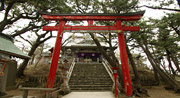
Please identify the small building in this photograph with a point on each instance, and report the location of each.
(8, 67)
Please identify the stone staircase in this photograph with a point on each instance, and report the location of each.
(90, 76)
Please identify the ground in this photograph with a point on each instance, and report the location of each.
(154, 92)
(160, 92)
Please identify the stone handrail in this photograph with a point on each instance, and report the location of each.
(70, 70)
(108, 69)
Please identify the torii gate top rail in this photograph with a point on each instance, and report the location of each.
(117, 28)
(97, 17)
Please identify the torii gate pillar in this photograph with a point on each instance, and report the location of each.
(124, 60)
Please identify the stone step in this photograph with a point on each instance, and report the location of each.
(92, 83)
(89, 73)
(89, 70)
(90, 87)
(90, 77)
(90, 66)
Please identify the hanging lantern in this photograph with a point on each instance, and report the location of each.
(82, 54)
(108, 36)
(83, 36)
(93, 54)
(73, 36)
(68, 51)
(108, 51)
(95, 37)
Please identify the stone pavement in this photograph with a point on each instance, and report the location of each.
(100, 94)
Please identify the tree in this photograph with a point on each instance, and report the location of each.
(27, 10)
(162, 5)
(168, 37)
(145, 38)
(40, 39)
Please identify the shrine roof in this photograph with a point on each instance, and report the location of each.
(85, 43)
(7, 47)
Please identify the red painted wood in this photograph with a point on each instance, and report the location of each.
(50, 57)
(96, 18)
(124, 61)
(115, 80)
(90, 22)
(55, 57)
(131, 28)
(115, 73)
(71, 28)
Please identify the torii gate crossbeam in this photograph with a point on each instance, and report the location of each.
(117, 28)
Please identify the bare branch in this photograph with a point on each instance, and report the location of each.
(160, 8)
(28, 28)
(2, 5)
(46, 38)
(25, 15)
(25, 40)
(87, 5)
(10, 4)
(103, 37)
(66, 40)
(79, 8)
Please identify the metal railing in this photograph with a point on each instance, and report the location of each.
(70, 70)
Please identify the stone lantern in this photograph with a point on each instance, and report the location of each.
(69, 51)
(108, 51)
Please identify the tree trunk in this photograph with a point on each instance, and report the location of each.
(22, 67)
(176, 62)
(169, 61)
(156, 76)
(20, 71)
(38, 41)
(111, 62)
(138, 90)
(137, 77)
(111, 49)
(35, 65)
(2, 5)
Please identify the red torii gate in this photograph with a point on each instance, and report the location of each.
(117, 28)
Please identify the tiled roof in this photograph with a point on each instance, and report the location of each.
(7, 47)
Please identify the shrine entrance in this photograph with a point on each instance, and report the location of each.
(91, 28)
(88, 57)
